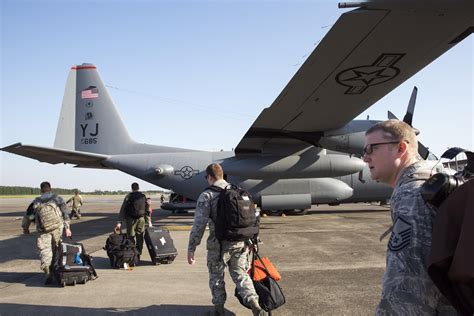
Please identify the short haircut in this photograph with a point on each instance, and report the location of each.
(397, 131)
(135, 186)
(215, 170)
(45, 185)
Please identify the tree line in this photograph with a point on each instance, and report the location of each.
(18, 190)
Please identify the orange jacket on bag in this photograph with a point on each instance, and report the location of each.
(260, 273)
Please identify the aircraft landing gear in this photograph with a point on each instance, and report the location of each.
(291, 212)
(296, 212)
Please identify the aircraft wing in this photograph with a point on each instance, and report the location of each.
(366, 54)
(54, 155)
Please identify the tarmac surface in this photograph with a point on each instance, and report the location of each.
(331, 262)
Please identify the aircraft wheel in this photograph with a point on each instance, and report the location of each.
(278, 212)
(296, 212)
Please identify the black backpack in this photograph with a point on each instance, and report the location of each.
(236, 219)
(136, 205)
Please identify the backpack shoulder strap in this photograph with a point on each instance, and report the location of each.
(214, 188)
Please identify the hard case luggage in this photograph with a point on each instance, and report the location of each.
(71, 264)
(120, 250)
(160, 245)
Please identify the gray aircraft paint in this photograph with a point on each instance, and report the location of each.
(276, 160)
(65, 135)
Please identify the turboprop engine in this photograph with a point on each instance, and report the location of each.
(293, 167)
(296, 193)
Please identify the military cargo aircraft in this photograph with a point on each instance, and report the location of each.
(305, 148)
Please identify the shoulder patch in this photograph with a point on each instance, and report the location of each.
(401, 235)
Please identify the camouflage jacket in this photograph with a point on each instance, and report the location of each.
(76, 201)
(206, 209)
(48, 196)
(407, 288)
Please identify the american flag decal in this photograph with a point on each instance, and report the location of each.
(90, 93)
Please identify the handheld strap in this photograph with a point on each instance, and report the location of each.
(252, 271)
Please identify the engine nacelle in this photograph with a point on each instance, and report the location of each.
(291, 167)
(285, 202)
(296, 193)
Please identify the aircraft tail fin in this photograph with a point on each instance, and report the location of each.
(89, 120)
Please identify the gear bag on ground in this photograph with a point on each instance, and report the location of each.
(71, 264)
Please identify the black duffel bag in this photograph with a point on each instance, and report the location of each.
(121, 249)
(270, 295)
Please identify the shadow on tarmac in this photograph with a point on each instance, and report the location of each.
(164, 309)
(13, 214)
(316, 212)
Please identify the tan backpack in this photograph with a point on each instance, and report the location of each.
(49, 215)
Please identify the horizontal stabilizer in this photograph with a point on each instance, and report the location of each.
(55, 156)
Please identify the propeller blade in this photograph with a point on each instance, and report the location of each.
(391, 116)
(408, 118)
(423, 151)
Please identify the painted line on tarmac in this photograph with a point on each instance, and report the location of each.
(177, 227)
(334, 267)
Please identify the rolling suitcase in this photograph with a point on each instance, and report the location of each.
(71, 264)
(160, 245)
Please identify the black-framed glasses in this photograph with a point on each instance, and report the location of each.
(369, 149)
(205, 177)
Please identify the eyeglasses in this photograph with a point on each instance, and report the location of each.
(205, 177)
(370, 147)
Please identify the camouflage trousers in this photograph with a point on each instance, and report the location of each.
(45, 244)
(136, 230)
(75, 211)
(234, 255)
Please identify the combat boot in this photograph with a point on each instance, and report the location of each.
(219, 310)
(256, 309)
(49, 276)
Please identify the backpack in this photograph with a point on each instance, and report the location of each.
(235, 217)
(136, 205)
(50, 215)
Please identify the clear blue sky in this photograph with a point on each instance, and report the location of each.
(187, 62)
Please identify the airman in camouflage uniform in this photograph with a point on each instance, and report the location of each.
(76, 205)
(46, 240)
(391, 152)
(235, 255)
(135, 226)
